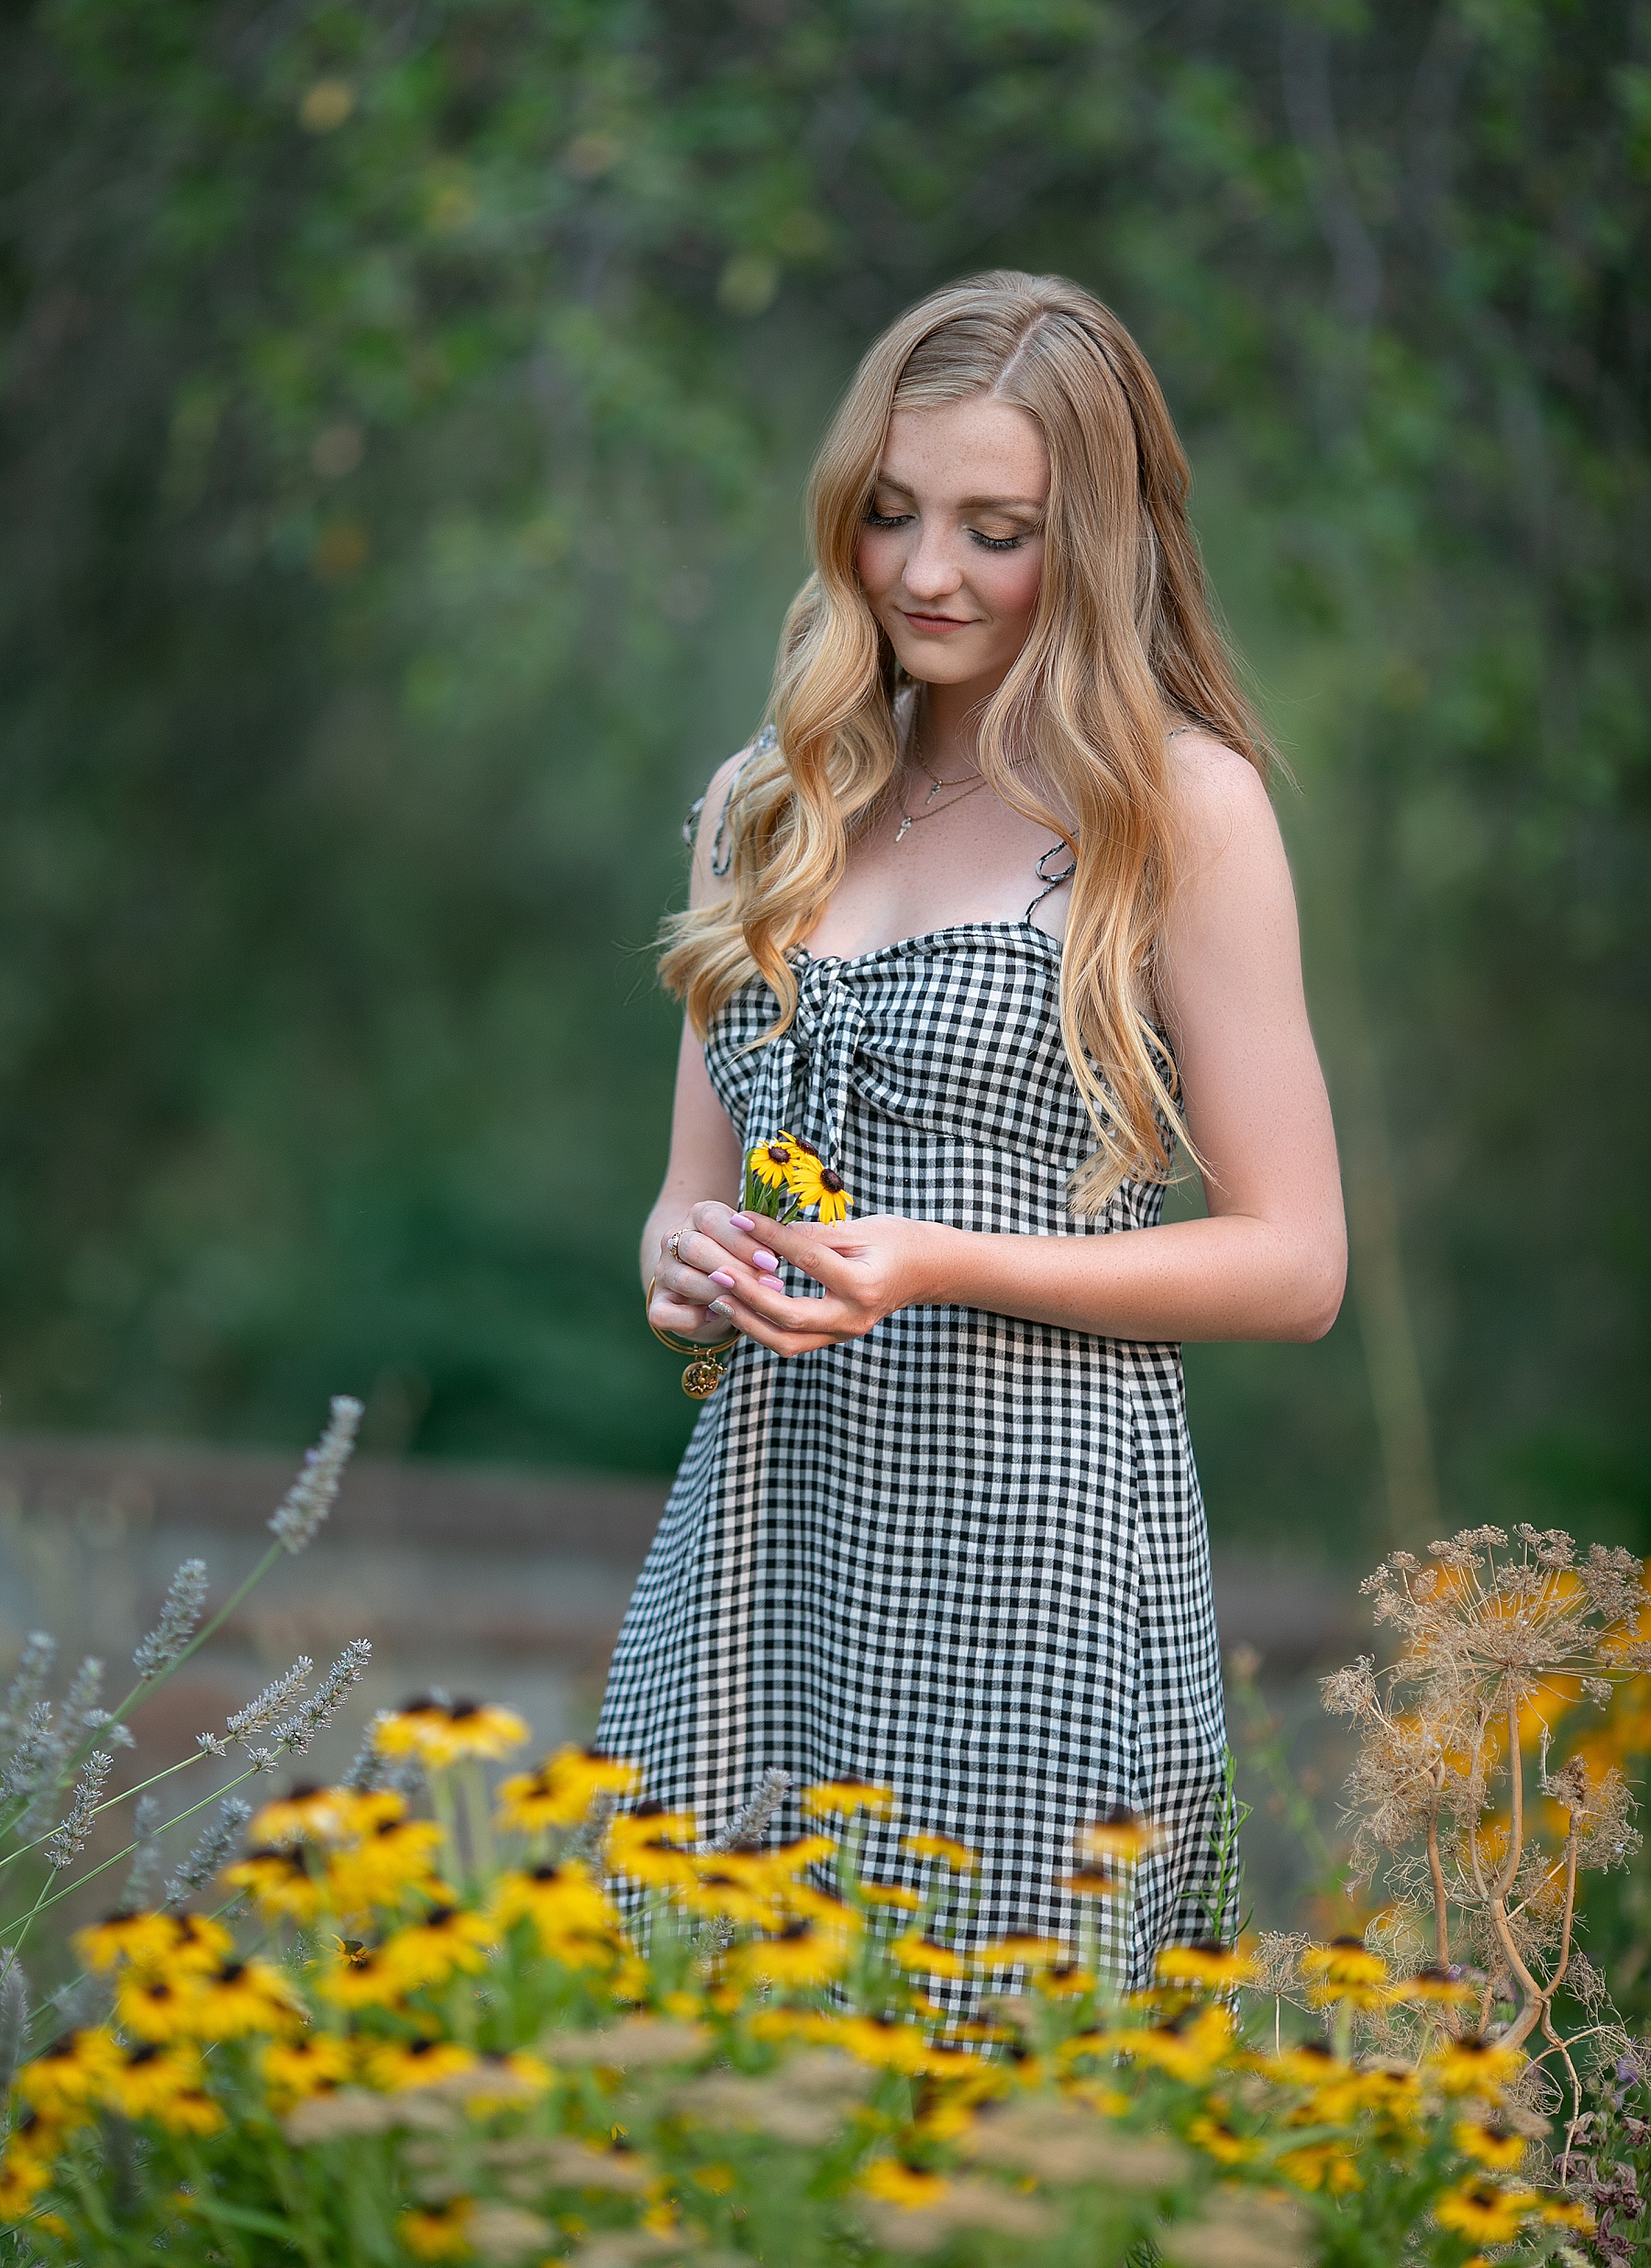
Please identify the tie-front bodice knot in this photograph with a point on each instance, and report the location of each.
(931, 1074)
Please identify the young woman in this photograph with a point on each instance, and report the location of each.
(994, 913)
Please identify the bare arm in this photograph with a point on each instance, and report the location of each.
(1270, 1261)
(704, 1166)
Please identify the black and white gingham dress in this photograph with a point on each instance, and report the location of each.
(966, 1555)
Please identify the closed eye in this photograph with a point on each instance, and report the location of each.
(997, 543)
(886, 519)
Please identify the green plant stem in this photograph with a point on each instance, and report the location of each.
(126, 1795)
(240, 1781)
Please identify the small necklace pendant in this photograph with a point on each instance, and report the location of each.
(933, 793)
(904, 828)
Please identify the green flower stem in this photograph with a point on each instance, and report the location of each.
(177, 1821)
(39, 1905)
(478, 1821)
(126, 1795)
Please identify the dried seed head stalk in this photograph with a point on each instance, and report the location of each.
(310, 1498)
(1497, 1639)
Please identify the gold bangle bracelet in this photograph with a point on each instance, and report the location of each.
(706, 1369)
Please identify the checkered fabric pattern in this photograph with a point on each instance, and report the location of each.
(966, 1555)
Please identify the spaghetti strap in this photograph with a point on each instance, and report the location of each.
(1054, 881)
(1051, 882)
(722, 850)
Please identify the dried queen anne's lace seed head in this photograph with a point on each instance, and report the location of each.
(1496, 1638)
(310, 1498)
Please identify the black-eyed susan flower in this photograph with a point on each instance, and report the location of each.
(149, 2076)
(438, 2232)
(394, 2065)
(807, 1901)
(1345, 1971)
(1212, 2133)
(428, 1952)
(1490, 2143)
(1322, 2165)
(649, 1846)
(242, 1997)
(1307, 2063)
(1205, 1966)
(388, 1863)
(910, 2187)
(560, 1791)
(1568, 2213)
(1091, 1881)
(23, 2175)
(306, 1813)
(801, 1954)
(956, 1856)
(1434, 1987)
(141, 1940)
(71, 2072)
(441, 1733)
(295, 2068)
(924, 1956)
(1120, 1835)
(812, 1181)
(199, 1942)
(1473, 2066)
(279, 1882)
(159, 2007)
(878, 2041)
(843, 1799)
(560, 1902)
(1484, 2211)
(771, 1163)
(732, 1888)
(191, 2111)
(788, 1859)
(1021, 1950)
(894, 1893)
(1189, 2047)
(1068, 1980)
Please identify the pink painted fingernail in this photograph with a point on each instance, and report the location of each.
(741, 1220)
(759, 1259)
(720, 1275)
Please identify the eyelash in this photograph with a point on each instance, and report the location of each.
(990, 543)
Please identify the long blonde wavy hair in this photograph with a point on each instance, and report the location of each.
(1121, 646)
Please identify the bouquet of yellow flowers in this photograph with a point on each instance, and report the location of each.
(786, 1175)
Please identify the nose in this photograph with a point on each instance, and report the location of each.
(931, 570)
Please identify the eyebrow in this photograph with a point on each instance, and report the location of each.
(970, 504)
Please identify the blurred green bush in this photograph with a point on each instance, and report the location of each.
(403, 415)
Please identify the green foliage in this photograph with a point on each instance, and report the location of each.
(403, 422)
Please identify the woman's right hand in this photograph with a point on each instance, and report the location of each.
(701, 1259)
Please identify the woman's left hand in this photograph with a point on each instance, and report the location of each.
(865, 1269)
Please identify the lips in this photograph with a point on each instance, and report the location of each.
(934, 622)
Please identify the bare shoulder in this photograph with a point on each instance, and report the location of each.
(1219, 800)
(710, 833)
